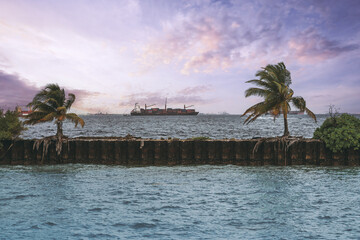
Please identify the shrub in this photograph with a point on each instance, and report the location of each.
(199, 138)
(10, 125)
(340, 132)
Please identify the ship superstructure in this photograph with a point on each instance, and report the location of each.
(138, 111)
(23, 111)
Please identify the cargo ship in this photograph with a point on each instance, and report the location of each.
(23, 113)
(138, 111)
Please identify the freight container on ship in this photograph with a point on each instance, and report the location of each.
(137, 111)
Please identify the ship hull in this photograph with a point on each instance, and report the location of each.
(165, 114)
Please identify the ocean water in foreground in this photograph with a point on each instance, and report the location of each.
(198, 202)
(182, 202)
(213, 126)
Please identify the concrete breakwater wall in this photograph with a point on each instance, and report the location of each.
(141, 152)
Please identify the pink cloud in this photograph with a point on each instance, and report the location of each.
(211, 39)
(219, 37)
(197, 44)
(82, 97)
(195, 90)
(185, 96)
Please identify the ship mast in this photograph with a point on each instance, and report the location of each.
(165, 103)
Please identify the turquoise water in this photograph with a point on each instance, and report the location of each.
(200, 202)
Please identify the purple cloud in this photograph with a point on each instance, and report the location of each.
(95, 46)
(217, 35)
(15, 91)
(311, 46)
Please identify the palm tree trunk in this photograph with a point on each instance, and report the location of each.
(59, 132)
(286, 128)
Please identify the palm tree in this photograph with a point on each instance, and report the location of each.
(51, 104)
(274, 86)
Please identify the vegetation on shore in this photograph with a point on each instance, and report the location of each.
(274, 86)
(51, 104)
(10, 125)
(201, 138)
(340, 132)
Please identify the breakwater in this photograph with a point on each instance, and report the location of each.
(149, 152)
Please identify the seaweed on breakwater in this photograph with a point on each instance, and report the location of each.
(284, 144)
(60, 140)
(45, 143)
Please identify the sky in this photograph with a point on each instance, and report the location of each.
(114, 53)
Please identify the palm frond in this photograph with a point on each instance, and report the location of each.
(252, 108)
(31, 121)
(75, 119)
(53, 102)
(279, 86)
(275, 112)
(299, 103)
(52, 87)
(58, 97)
(69, 101)
(288, 106)
(42, 107)
(261, 83)
(49, 117)
(252, 118)
(265, 76)
(35, 117)
(256, 92)
(61, 109)
(311, 114)
(256, 111)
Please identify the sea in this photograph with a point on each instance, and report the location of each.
(78, 201)
(183, 127)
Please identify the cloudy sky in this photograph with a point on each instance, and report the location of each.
(112, 54)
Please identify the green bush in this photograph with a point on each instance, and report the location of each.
(10, 125)
(199, 138)
(340, 132)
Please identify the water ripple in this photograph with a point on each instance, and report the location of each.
(199, 202)
(212, 126)
(143, 225)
